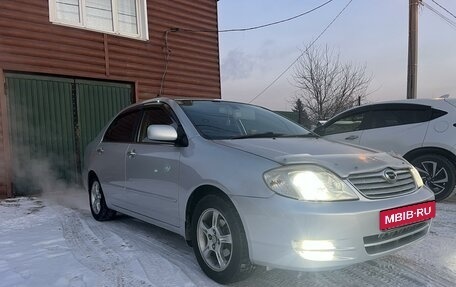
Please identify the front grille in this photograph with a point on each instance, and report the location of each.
(395, 238)
(375, 186)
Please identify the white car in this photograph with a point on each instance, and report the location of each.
(422, 131)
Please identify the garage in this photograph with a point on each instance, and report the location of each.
(67, 67)
(51, 121)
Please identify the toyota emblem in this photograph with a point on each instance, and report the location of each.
(390, 175)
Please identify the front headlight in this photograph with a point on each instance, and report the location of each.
(308, 182)
(417, 177)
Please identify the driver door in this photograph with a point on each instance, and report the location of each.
(152, 170)
(347, 129)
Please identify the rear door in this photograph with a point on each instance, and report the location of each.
(152, 170)
(111, 156)
(396, 127)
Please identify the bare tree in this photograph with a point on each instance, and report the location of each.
(326, 85)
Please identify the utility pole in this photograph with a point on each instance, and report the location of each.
(412, 49)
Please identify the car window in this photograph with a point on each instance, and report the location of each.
(229, 120)
(123, 128)
(157, 115)
(388, 118)
(262, 124)
(346, 124)
(436, 113)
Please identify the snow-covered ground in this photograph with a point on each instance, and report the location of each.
(53, 241)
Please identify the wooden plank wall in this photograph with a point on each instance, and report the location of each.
(30, 43)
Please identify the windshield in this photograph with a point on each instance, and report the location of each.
(217, 120)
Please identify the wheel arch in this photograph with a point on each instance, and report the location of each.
(427, 150)
(193, 200)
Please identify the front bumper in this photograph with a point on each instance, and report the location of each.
(351, 228)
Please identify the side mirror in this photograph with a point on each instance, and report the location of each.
(161, 133)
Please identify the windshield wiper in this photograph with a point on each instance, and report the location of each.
(309, 135)
(275, 135)
(260, 135)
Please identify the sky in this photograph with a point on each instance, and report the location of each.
(373, 33)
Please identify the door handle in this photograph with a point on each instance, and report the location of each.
(131, 154)
(100, 150)
(352, 137)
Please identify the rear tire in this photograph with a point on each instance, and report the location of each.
(98, 207)
(438, 173)
(219, 240)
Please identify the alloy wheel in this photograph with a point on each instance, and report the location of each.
(214, 239)
(433, 175)
(95, 197)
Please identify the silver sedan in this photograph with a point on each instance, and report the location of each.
(247, 187)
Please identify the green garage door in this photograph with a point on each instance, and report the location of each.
(51, 121)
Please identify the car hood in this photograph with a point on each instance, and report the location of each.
(340, 158)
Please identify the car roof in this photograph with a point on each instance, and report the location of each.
(436, 102)
(182, 99)
(426, 102)
(416, 101)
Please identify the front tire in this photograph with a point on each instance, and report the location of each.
(98, 207)
(438, 173)
(219, 240)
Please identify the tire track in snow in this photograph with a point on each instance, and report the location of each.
(154, 240)
(156, 267)
(89, 250)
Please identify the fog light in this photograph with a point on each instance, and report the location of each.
(315, 250)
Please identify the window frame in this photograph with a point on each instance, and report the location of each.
(141, 16)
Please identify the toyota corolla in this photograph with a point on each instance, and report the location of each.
(245, 186)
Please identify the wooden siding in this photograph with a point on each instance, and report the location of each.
(30, 43)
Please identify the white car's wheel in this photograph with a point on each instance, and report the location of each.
(438, 173)
(219, 240)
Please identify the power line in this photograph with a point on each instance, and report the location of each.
(254, 27)
(443, 17)
(168, 51)
(299, 57)
(441, 6)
